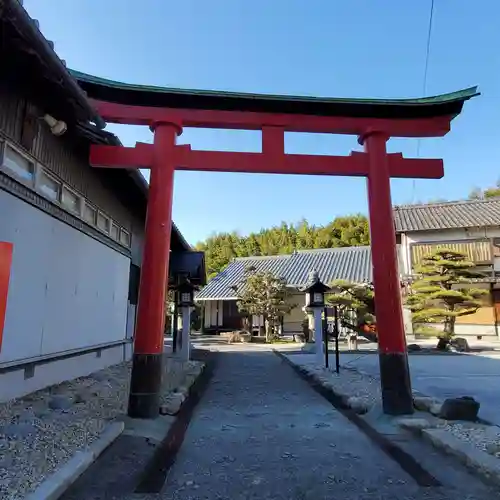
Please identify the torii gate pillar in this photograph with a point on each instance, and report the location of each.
(394, 370)
(147, 368)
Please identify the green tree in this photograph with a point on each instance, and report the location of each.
(265, 295)
(480, 194)
(221, 248)
(443, 292)
(356, 306)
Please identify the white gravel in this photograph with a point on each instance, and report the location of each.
(484, 437)
(36, 437)
(352, 383)
(348, 382)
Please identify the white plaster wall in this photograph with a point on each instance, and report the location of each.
(496, 263)
(67, 290)
(207, 316)
(408, 325)
(213, 313)
(14, 385)
(220, 314)
(292, 322)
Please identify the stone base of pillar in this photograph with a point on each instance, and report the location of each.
(145, 386)
(397, 398)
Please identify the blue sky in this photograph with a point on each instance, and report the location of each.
(353, 48)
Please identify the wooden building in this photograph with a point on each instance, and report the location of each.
(71, 236)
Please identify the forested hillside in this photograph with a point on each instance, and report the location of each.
(284, 239)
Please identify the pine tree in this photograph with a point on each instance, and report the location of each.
(356, 306)
(443, 292)
(265, 295)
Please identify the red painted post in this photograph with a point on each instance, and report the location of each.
(394, 371)
(147, 366)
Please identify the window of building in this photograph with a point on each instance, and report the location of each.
(89, 214)
(125, 237)
(71, 200)
(115, 231)
(49, 186)
(103, 222)
(18, 164)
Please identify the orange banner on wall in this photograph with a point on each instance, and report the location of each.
(6, 250)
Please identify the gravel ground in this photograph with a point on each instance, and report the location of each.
(484, 437)
(367, 389)
(348, 382)
(42, 431)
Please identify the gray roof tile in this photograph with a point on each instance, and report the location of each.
(349, 263)
(219, 287)
(447, 215)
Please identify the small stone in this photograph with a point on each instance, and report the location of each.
(357, 404)
(21, 430)
(460, 344)
(60, 403)
(79, 397)
(435, 408)
(415, 423)
(99, 376)
(6, 462)
(27, 416)
(423, 403)
(189, 483)
(42, 413)
(464, 408)
(172, 404)
(493, 448)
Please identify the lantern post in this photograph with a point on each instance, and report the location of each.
(315, 301)
(185, 298)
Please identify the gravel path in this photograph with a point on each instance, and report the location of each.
(42, 431)
(261, 432)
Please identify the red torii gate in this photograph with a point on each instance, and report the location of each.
(167, 111)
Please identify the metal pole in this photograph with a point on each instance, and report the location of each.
(336, 334)
(175, 323)
(325, 338)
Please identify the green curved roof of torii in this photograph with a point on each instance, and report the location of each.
(145, 95)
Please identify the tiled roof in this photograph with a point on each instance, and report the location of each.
(350, 263)
(219, 287)
(447, 215)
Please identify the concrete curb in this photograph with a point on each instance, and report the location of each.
(480, 462)
(58, 482)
